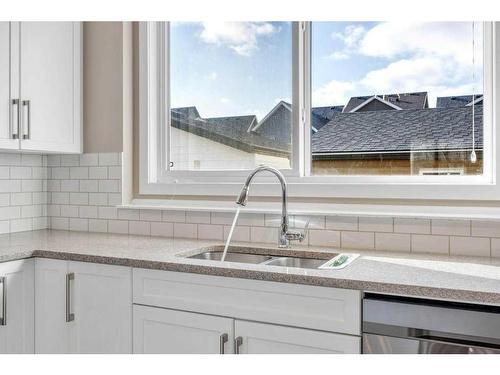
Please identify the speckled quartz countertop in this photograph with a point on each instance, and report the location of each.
(441, 277)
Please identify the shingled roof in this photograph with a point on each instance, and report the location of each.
(455, 101)
(228, 131)
(399, 131)
(411, 100)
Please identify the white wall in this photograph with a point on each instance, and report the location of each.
(188, 148)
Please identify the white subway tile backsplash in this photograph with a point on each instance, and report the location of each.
(392, 242)
(315, 222)
(142, 228)
(69, 185)
(470, 246)
(412, 225)
(98, 173)
(78, 224)
(375, 224)
(483, 228)
(98, 199)
(198, 217)
(20, 173)
(21, 225)
(4, 226)
(357, 240)
(342, 222)
(109, 159)
(328, 238)
(89, 160)
(79, 198)
(70, 160)
(89, 186)
(21, 199)
(150, 215)
(4, 173)
(162, 229)
(81, 192)
(240, 233)
(115, 173)
(184, 230)
(98, 225)
(88, 212)
(125, 214)
(79, 173)
(424, 243)
(267, 235)
(68, 211)
(451, 227)
(109, 186)
(118, 226)
(174, 216)
(210, 232)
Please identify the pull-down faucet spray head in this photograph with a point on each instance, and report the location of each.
(243, 197)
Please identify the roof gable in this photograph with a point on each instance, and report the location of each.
(412, 100)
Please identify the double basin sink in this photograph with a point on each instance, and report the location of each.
(269, 257)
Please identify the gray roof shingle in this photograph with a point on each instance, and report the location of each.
(399, 131)
(455, 101)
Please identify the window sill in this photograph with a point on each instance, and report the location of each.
(327, 209)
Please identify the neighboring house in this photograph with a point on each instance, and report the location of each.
(412, 100)
(381, 134)
(458, 101)
(221, 143)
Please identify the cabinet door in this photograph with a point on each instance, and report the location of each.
(8, 111)
(51, 328)
(260, 338)
(101, 301)
(17, 329)
(164, 331)
(50, 71)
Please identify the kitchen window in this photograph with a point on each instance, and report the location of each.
(344, 109)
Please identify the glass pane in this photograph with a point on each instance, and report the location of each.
(230, 95)
(397, 98)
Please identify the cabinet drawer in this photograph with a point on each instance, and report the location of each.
(328, 309)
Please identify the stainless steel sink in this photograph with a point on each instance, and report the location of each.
(233, 257)
(296, 262)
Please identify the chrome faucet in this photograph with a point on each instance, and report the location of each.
(285, 235)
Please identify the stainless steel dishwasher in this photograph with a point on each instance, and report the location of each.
(402, 325)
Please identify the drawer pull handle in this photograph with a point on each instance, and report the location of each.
(69, 315)
(238, 341)
(3, 300)
(222, 341)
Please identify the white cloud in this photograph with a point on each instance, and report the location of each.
(225, 100)
(241, 37)
(432, 57)
(333, 93)
(212, 76)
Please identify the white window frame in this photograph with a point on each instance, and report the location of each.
(154, 179)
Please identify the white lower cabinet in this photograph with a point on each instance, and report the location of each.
(167, 331)
(82, 307)
(17, 307)
(261, 338)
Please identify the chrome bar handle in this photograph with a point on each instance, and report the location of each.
(27, 135)
(238, 341)
(69, 315)
(15, 115)
(3, 310)
(222, 341)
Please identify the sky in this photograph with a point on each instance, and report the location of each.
(241, 68)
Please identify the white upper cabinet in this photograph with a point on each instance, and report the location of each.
(8, 110)
(50, 86)
(40, 86)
